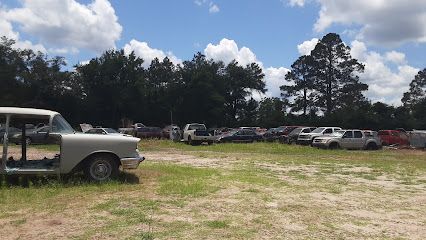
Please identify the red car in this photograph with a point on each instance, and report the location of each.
(390, 137)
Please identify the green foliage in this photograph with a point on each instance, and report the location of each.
(115, 87)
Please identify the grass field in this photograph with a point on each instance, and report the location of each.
(236, 191)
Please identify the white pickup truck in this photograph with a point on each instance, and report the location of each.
(349, 139)
(196, 133)
(308, 138)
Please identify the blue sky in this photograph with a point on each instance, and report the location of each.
(273, 33)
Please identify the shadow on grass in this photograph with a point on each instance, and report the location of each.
(8, 181)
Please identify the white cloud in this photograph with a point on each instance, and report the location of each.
(275, 78)
(227, 50)
(306, 47)
(6, 29)
(390, 22)
(299, 3)
(385, 84)
(396, 57)
(144, 51)
(67, 24)
(213, 8)
(200, 2)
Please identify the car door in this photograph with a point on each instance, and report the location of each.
(347, 140)
(358, 140)
(41, 135)
(327, 131)
(238, 136)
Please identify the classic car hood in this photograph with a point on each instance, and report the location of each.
(98, 137)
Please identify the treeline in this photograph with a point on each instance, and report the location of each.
(323, 89)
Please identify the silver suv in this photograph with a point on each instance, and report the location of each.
(307, 138)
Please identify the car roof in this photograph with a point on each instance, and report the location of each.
(27, 111)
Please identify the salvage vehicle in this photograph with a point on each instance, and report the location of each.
(270, 135)
(240, 136)
(105, 131)
(394, 137)
(132, 130)
(349, 139)
(36, 136)
(99, 157)
(12, 131)
(196, 133)
(307, 138)
(149, 132)
(294, 135)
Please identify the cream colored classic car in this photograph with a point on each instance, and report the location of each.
(98, 156)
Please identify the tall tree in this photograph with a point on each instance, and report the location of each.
(240, 82)
(417, 90)
(301, 91)
(271, 112)
(109, 86)
(336, 81)
(202, 91)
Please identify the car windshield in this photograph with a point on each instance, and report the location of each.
(318, 130)
(110, 130)
(337, 133)
(197, 127)
(296, 131)
(60, 125)
(271, 130)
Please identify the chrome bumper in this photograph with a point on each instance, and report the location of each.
(131, 163)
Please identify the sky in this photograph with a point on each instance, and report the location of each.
(388, 36)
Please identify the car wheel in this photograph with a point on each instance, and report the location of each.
(333, 145)
(372, 146)
(190, 142)
(101, 168)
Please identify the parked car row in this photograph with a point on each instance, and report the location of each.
(196, 133)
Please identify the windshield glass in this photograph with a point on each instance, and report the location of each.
(337, 133)
(110, 130)
(318, 130)
(197, 127)
(296, 131)
(60, 125)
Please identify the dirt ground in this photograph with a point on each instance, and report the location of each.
(255, 199)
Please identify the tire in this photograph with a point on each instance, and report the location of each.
(209, 142)
(333, 146)
(190, 142)
(372, 146)
(100, 168)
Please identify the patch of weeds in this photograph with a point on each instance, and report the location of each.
(251, 175)
(291, 207)
(406, 180)
(251, 190)
(335, 189)
(142, 236)
(18, 222)
(369, 176)
(420, 181)
(217, 224)
(180, 203)
(297, 174)
(185, 180)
